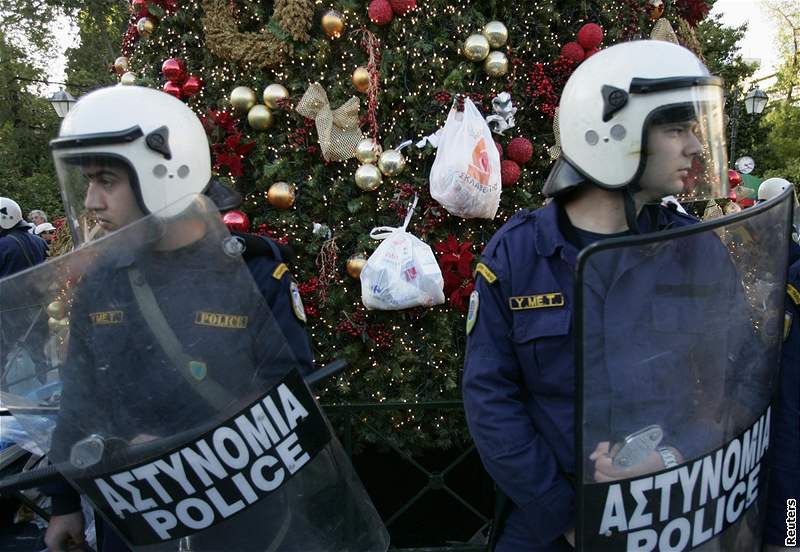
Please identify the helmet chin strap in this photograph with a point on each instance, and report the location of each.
(630, 209)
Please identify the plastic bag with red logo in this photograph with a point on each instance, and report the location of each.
(465, 177)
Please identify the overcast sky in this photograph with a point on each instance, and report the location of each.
(759, 42)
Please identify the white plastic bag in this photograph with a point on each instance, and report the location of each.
(402, 272)
(465, 177)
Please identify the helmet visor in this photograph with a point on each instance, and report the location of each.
(684, 148)
(100, 193)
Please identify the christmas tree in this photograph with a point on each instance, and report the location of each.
(294, 148)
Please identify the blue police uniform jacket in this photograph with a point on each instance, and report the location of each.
(20, 250)
(785, 437)
(113, 353)
(519, 372)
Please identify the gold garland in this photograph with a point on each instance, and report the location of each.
(265, 48)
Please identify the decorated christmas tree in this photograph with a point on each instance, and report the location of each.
(318, 113)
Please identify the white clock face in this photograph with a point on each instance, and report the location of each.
(745, 165)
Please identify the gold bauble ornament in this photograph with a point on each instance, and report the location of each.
(355, 264)
(391, 162)
(260, 117)
(496, 64)
(121, 65)
(361, 79)
(655, 9)
(476, 47)
(281, 195)
(57, 310)
(273, 94)
(128, 79)
(367, 151)
(242, 99)
(56, 325)
(333, 24)
(496, 33)
(145, 26)
(368, 177)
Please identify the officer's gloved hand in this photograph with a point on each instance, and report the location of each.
(65, 533)
(605, 471)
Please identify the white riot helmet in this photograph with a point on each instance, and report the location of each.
(773, 187)
(156, 137)
(611, 100)
(10, 213)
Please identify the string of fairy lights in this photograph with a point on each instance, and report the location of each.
(421, 54)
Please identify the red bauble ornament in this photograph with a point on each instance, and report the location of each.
(172, 88)
(499, 149)
(734, 178)
(380, 12)
(589, 53)
(192, 86)
(139, 7)
(402, 7)
(732, 195)
(572, 51)
(236, 221)
(520, 150)
(509, 172)
(590, 36)
(174, 70)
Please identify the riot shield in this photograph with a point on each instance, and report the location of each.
(679, 335)
(168, 394)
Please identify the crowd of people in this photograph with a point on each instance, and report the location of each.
(678, 356)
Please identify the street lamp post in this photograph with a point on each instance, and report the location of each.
(754, 103)
(62, 102)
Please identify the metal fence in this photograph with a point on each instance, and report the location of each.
(431, 501)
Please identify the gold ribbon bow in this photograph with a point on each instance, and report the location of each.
(338, 129)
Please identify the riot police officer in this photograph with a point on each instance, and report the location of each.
(18, 248)
(785, 476)
(637, 122)
(116, 167)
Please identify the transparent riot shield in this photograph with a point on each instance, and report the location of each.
(149, 367)
(679, 336)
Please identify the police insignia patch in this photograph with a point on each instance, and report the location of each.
(472, 311)
(793, 293)
(198, 369)
(787, 324)
(484, 271)
(542, 301)
(297, 302)
(279, 271)
(107, 317)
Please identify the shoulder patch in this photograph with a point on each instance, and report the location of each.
(787, 324)
(472, 310)
(279, 271)
(297, 302)
(793, 293)
(486, 272)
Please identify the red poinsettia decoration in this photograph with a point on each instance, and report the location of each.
(455, 261)
(226, 141)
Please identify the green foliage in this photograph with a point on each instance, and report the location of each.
(778, 154)
(27, 123)
(100, 25)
